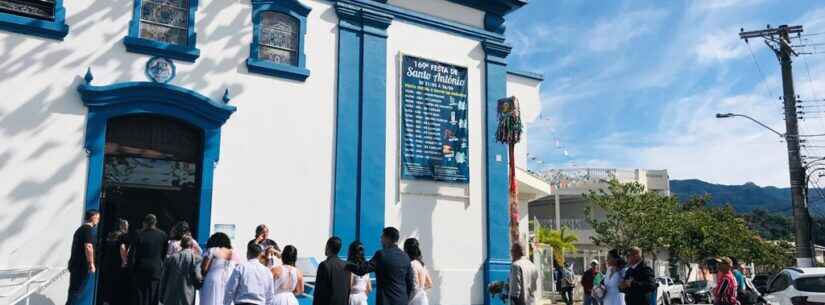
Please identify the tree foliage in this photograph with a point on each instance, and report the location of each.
(631, 217)
(626, 215)
(560, 240)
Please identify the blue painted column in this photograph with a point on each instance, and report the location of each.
(360, 161)
(497, 265)
(348, 125)
(373, 128)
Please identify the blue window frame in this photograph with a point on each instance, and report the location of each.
(163, 28)
(277, 49)
(44, 18)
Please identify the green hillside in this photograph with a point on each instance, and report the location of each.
(744, 198)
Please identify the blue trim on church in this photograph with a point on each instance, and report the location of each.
(425, 20)
(497, 264)
(292, 8)
(526, 74)
(56, 29)
(360, 155)
(134, 43)
(497, 7)
(121, 99)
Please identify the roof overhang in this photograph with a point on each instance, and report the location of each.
(496, 7)
(530, 186)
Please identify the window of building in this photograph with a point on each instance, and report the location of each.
(164, 28)
(278, 39)
(45, 18)
(164, 20)
(29, 8)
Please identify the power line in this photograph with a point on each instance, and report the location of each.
(818, 190)
(812, 34)
(759, 67)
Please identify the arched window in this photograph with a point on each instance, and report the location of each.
(277, 46)
(164, 20)
(163, 28)
(278, 41)
(44, 18)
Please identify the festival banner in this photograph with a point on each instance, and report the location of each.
(434, 121)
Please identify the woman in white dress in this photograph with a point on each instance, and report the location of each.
(178, 232)
(216, 267)
(289, 281)
(360, 285)
(614, 276)
(423, 282)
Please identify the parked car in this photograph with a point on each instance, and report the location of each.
(797, 286)
(699, 292)
(761, 281)
(670, 290)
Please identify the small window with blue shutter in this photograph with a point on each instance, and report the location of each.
(278, 41)
(44, 18)
(164, 28)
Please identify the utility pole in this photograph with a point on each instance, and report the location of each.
(802, 219)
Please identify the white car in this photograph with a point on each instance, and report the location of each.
(797, 286)
(669, 291)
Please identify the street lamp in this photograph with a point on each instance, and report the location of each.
(799, 186)
(730, 115)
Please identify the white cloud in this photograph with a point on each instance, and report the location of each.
(719, 46)
(721, 4)
(695, 144)
(538, 39)
(613, 33)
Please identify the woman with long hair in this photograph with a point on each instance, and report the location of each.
(360, 285)
(289, 281)
(178, 232)
(423, 282)
(616, 266)
(216, 267)
(114, 280)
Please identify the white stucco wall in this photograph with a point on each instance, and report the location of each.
(527, 91)
(447, 218)
(445, 10)
(276, 161)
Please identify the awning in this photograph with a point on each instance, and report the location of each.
(530, 186)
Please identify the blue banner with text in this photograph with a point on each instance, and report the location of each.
(434, 121)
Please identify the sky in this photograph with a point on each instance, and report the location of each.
(636, 84)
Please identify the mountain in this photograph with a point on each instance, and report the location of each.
(744, 198)
(772, 219)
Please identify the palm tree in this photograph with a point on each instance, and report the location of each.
(560, 240)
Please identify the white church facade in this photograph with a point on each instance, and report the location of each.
(314, 117)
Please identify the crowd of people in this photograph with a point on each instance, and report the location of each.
(152, 267)
(629, 281)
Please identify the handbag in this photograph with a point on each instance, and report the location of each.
(598, 292)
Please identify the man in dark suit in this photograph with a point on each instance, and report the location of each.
(147, 254)
(639, 285)
(332, 284)
(393, 272)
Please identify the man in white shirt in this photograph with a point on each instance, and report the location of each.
(251, 282)
(523, 277)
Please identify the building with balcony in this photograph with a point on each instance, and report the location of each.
(565, 207)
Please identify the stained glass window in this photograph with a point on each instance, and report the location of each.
(278, 38)
(40, 9)
(165, 21)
